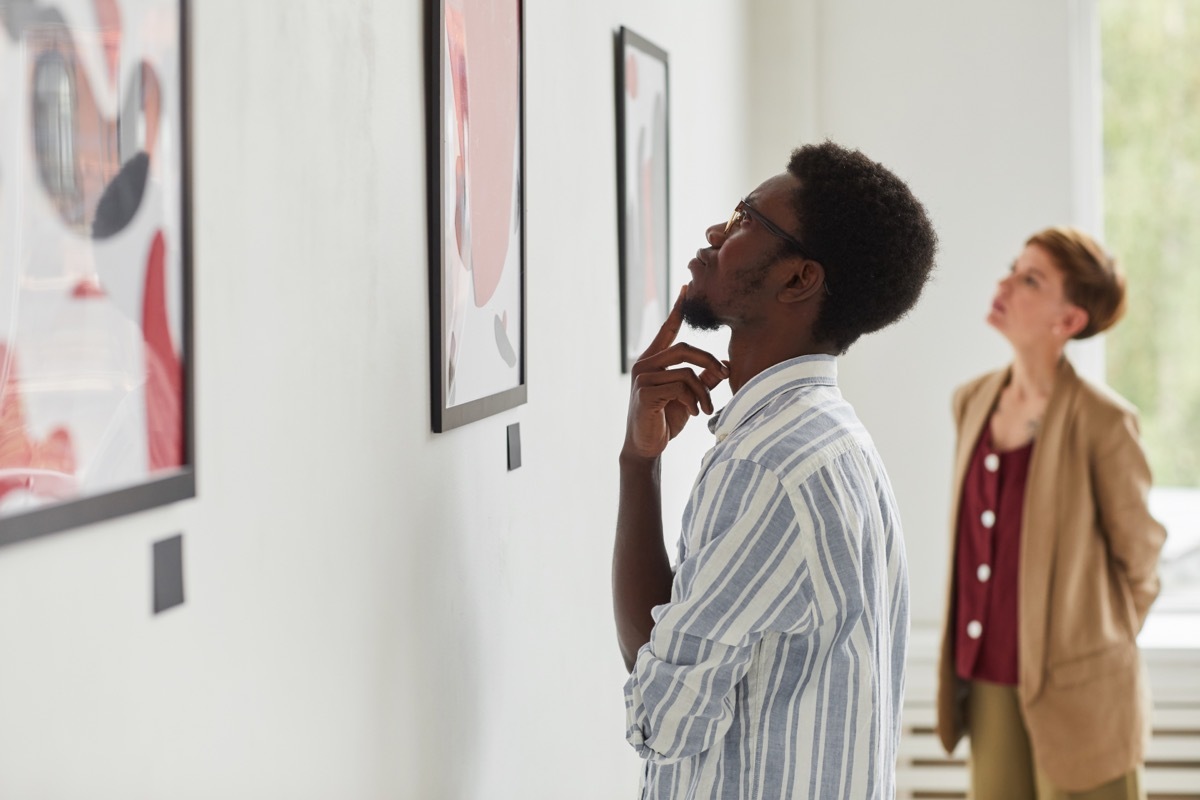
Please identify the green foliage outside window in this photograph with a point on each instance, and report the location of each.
(1151, 101)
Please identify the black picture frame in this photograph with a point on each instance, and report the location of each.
(163, 176)
(477, 361)
(643, 189)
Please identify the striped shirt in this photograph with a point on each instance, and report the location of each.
(777, 668)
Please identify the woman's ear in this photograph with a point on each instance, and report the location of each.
(802, 281)
(1074, 320)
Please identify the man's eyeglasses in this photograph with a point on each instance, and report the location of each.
(744, 209)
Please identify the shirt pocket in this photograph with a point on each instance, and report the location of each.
(1085, 669)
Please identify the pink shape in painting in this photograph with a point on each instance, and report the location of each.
(486, 103)
(650, 266)
(45, 468)
(108, 16)
(164, 372)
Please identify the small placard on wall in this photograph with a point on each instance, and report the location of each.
(168, 573)
(514, 446)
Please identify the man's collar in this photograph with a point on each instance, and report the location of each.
(816, 370)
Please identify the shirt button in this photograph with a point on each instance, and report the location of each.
(988, 518)
(722, 437)
(974, 629)
(992, 462)
(983, 573)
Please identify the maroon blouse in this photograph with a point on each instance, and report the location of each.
(986, 563)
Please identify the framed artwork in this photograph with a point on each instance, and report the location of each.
(643, 191)
(95, 262)
(475, 129)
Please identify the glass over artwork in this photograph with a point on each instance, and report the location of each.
(479, 245)
(93, 374)
(643, 191)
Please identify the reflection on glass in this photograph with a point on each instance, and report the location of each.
(54, 133)
(93, 165)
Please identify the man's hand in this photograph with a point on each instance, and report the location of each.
(663, 394)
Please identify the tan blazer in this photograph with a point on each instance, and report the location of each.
(1088, 574)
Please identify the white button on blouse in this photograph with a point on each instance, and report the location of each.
(991, 462)
(983, 573)
(974, 629)
(988, 518)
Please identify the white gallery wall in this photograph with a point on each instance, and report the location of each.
(972, 104)
(374, 611)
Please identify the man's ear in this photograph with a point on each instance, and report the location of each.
(802, 281)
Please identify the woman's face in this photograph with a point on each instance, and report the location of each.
(1031, 307)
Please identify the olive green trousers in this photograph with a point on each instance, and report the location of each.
(1001, 762)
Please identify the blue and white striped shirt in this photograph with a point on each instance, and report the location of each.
(777, 669)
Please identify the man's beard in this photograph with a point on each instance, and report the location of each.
(699, 314)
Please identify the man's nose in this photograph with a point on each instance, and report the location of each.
(715, 234)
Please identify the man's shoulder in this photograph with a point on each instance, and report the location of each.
(795, 437)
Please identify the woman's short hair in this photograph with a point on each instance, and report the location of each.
(1092, 278)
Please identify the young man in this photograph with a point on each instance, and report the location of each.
(770, 663)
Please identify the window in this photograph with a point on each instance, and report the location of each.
(1150, 67)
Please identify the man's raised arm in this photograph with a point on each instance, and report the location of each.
(662, 396)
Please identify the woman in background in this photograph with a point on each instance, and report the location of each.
(1055, 553)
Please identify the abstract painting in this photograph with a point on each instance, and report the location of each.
(95, 362)
(643, 191)
(475, 103)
